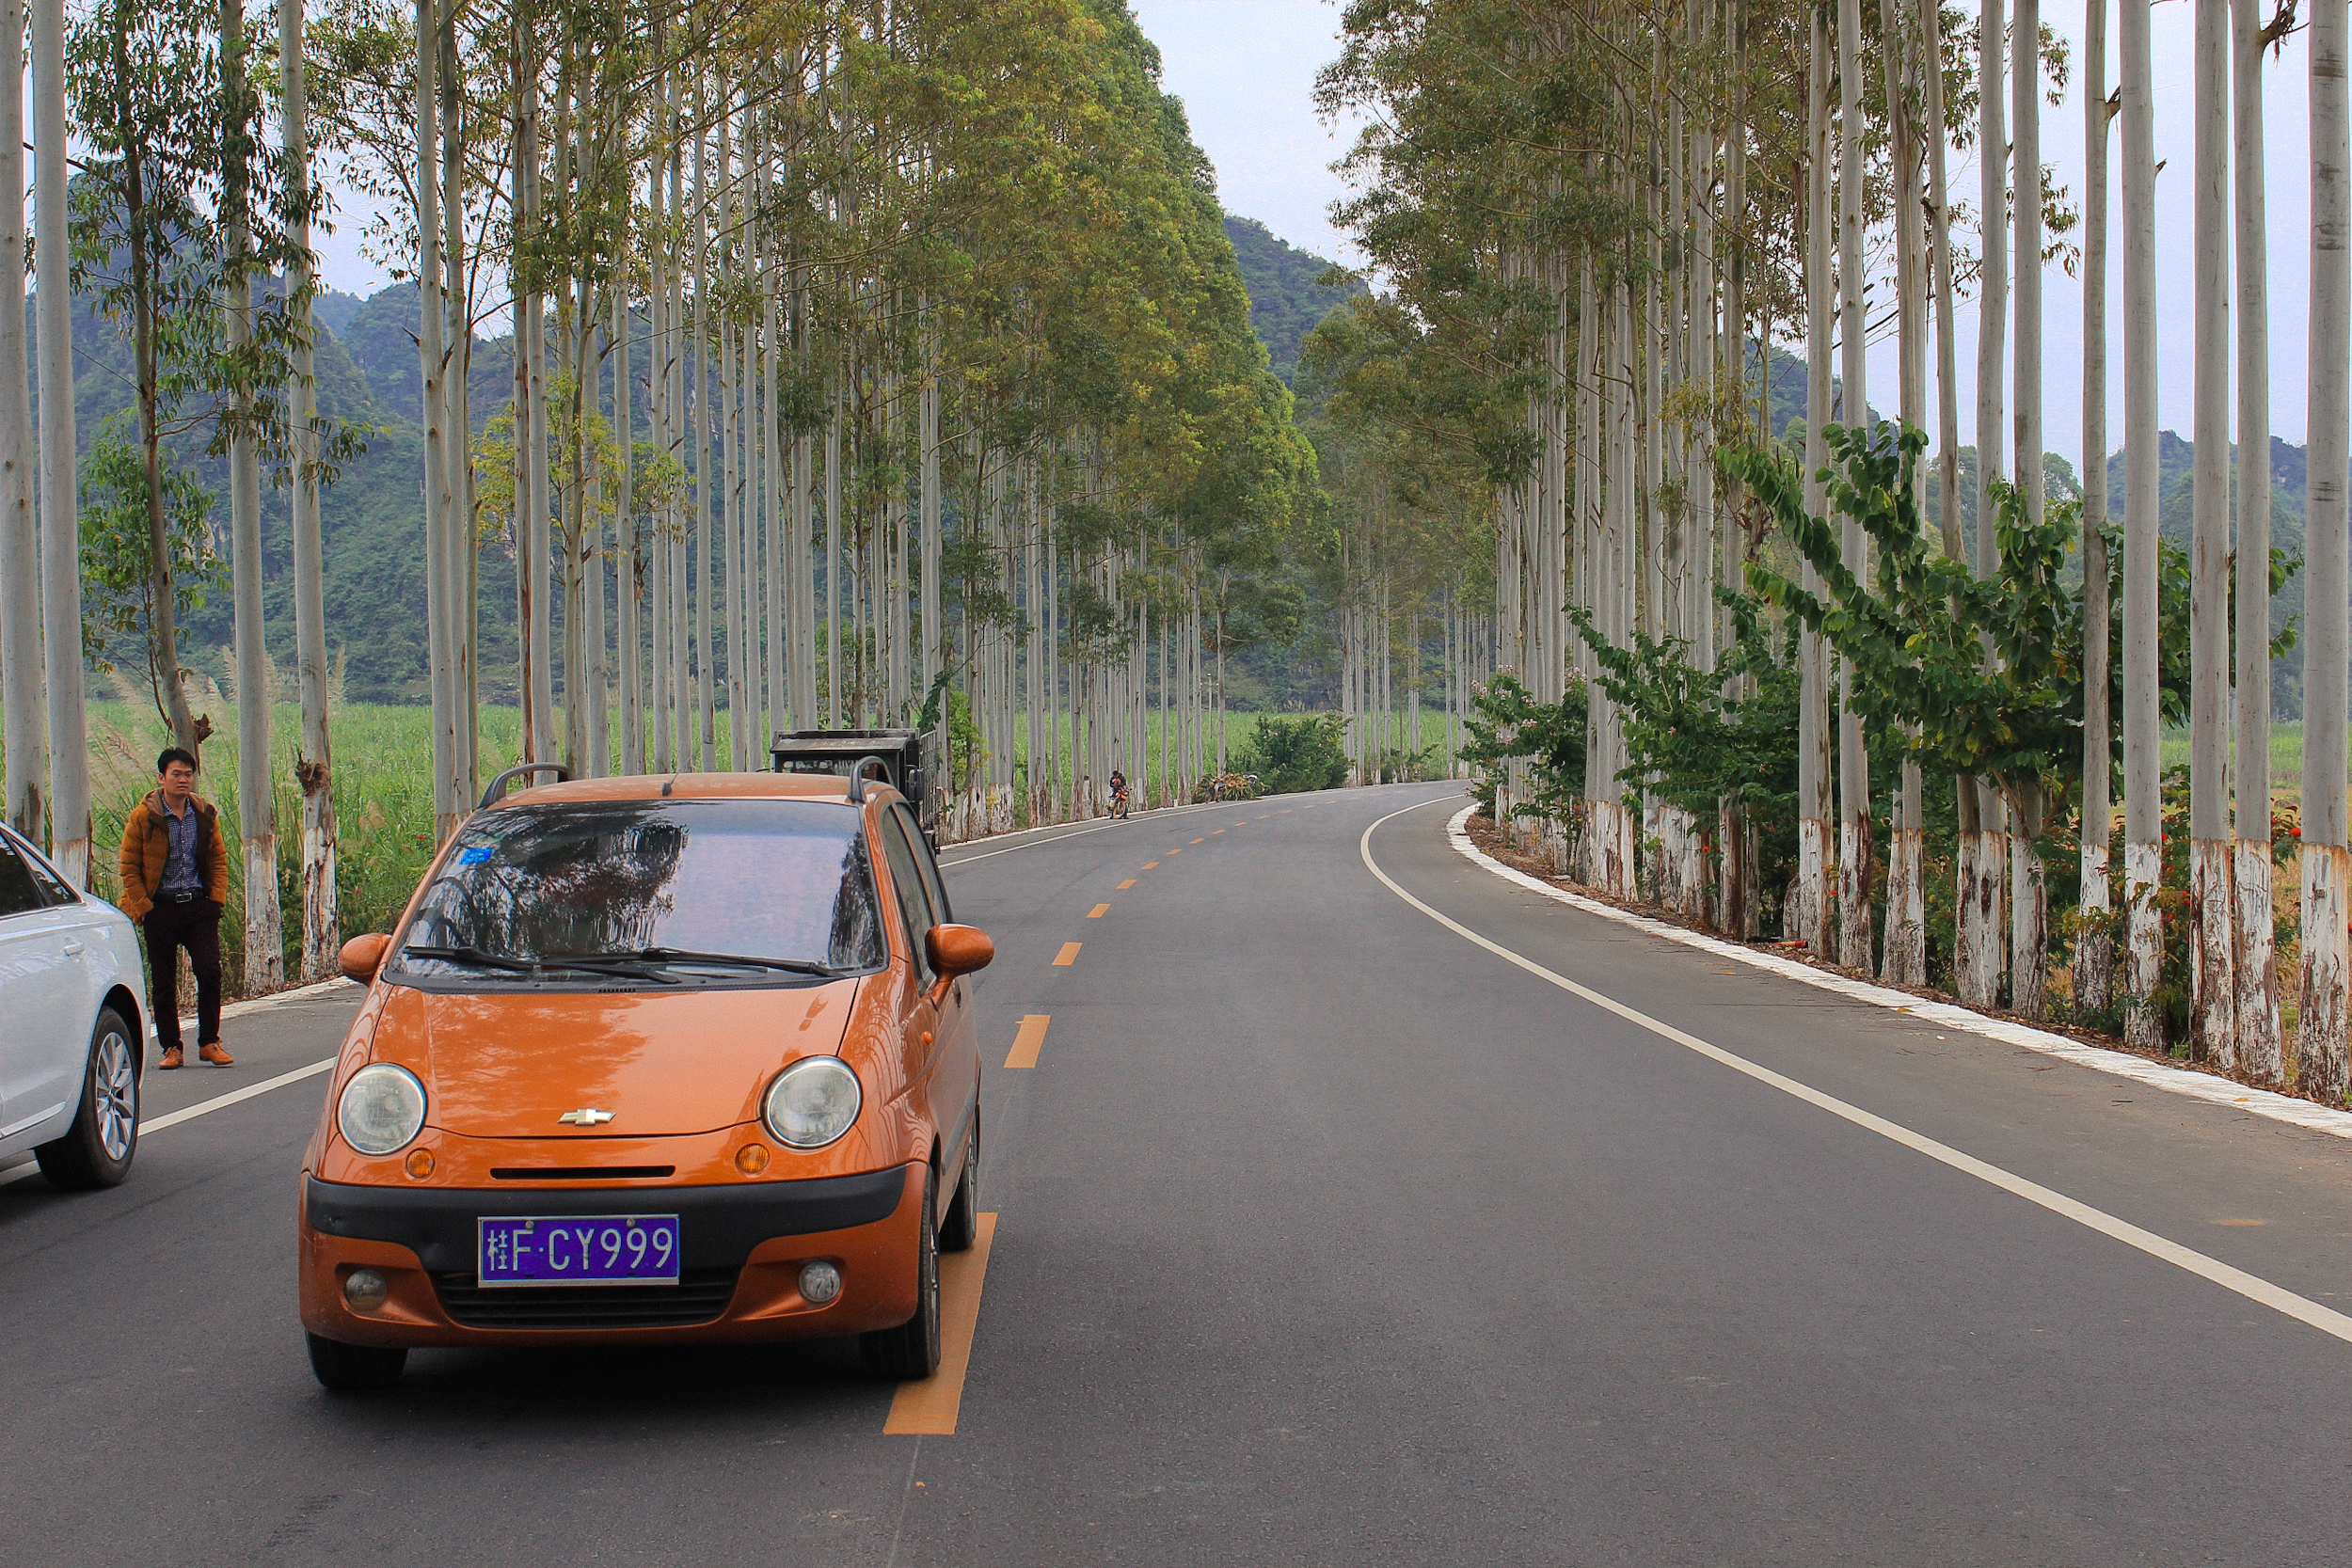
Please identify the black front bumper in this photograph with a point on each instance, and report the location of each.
(718, 1226)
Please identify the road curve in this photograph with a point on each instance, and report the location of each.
(1323, 1236)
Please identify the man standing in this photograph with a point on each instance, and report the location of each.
(175, 879)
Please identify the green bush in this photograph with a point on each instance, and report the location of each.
(1290, 755)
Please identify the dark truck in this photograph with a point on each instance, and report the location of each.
(840, 752)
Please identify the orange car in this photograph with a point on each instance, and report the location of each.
(647, 1059)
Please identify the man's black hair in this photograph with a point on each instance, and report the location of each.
(174, 753)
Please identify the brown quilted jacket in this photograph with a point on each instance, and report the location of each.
(146, 847)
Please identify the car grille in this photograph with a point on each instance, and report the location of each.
(698, 1297)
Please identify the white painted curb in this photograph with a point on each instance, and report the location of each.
(2140, 1069)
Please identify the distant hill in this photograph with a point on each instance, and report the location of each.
(1287, 296)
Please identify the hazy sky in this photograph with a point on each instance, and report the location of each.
(1245, 71)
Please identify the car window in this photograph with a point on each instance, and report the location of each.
(53, 887)
(914, 900)
(927, 864)
(787, 881)
(18, 894)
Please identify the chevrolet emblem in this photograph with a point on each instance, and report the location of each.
(586, 1117)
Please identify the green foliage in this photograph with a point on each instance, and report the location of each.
(1290, 755)
(1697, 739)
(1966, 676)
(1505, 721)
(118, 557)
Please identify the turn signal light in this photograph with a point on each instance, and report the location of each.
(420, 1162)
(752, 1159)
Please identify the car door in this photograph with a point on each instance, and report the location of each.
(923, 1042)
(42, 982)
(958, 1027)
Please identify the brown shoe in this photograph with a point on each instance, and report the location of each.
(215, 1055)
(171, 1059)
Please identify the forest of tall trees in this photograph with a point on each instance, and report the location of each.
(1789, 693)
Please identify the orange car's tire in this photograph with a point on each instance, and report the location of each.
(911, 1351)
(349, 1368)
(962, 1227)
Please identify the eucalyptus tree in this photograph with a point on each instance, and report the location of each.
(20, 527)
(2143, 807)
(2094, 948)
(60, 530)
(2213, 1003)
(2323, 1065)
(314, 771)
(2259, 1048)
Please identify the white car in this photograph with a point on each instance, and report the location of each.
(74, 1044)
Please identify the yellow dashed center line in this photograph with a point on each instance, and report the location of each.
(928, 1408)
(1025, 1042)
(1213, 832)
(1098, 912)
(1178, 850)
(1200, 840)
(1125, 885)
(1068, 956)
(1151, 865)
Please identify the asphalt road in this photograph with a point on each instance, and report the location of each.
(1323, 1236)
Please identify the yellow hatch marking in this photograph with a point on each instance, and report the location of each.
(1068, 954)
(1098, 912)
(928, 1408)
(1025, 1043)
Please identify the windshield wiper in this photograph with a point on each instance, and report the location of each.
(625, 965)
(720, 960)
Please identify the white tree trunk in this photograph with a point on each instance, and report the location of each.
(2094, 947)
(60, 530)
(2143, 806)
(2321, 1065)
(2257, 969)
(27, 740)
(2213, 999)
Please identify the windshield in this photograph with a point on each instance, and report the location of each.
(650, 893)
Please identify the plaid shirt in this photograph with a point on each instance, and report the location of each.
(180, 861)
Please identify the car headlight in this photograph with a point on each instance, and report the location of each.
(382, 1108)
(813, 1102)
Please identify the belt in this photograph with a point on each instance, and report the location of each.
(179, 895)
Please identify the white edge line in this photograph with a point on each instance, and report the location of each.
(2252, 1287)
(263, 1003)
(2173, 1079)
(1078, 831)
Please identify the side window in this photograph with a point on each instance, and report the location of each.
(52, 886)
(914, 899)
(941, 913)
(18, 894)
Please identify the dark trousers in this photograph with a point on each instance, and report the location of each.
(196, 927)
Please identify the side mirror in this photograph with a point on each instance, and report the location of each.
(956, 950)
(362, 956)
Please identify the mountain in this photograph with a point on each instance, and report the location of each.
(1287, 295)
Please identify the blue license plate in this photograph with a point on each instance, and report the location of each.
(579, 1249)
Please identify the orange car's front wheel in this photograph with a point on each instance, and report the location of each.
(912, 1349)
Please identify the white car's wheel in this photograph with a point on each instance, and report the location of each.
(96, 1150)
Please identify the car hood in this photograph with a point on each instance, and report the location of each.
(663, 1063)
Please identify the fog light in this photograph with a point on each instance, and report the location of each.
(365, 1289)
(421, 1161)
(819, 1283)
(752, 1159)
